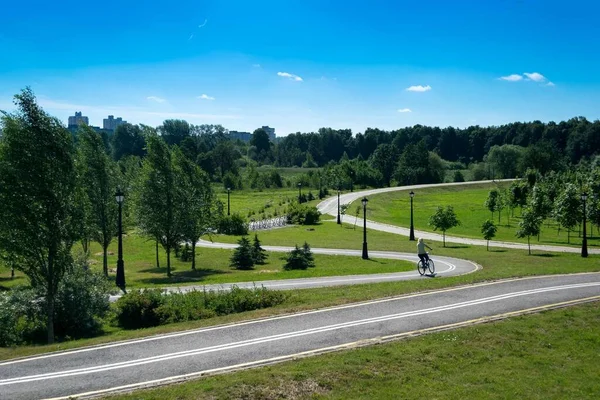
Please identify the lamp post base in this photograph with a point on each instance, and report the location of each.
(365, 252)
(339, 220)
(584, 250)
(120, 281)
(412, 234)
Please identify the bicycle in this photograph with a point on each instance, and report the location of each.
(429, 266)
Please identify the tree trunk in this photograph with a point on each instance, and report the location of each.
(488, 245)
(105, 261)
(444, 237)
(568, 236)
(50, 313)
(169, 262)
(499, 216)
(193, 256)
(12, 272)
(529, 245)
(157, 261)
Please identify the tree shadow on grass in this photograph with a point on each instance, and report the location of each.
(457, 246)
(180, 277)
(498, 250)
(546, 255)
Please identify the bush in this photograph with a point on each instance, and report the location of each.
(80, 304)
(458, 176)
(299, 258)
(303, 214)
(232, 225)
(152, 308)
(137, 309)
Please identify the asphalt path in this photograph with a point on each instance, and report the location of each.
(163, 359)
(329, 206)
(444, 266)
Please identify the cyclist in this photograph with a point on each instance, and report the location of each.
(421, 251)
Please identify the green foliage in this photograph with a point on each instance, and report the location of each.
(384, 159)
(567, 208)
(80, 304)
(491, 203)
(232, 181)
(233, 224)
(529, 225)
(505, 160)
(243, 256)
(299, 258)
(142, 309)
(259, 255)
(128, 140)
(418, 165)
(458, 177)
(302, 214)
(444, 219)
(488, 230)
(37, 193)
(309, 162)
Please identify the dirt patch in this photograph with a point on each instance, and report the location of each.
(267, 271)
(110, 253)
(280, 389)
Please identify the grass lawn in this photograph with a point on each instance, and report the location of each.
(552, 355)
(468, 202)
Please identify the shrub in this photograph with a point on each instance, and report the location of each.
(303, 214)
(194, 305)
(243, 255)
(311, 196)
(458, 176)
(299, 258)
(259, 255)
(137, 309)
(232, 225)
(20, 317)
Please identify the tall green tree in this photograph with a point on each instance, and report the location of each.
(444, 219)
(174, 131)
(529, 226)
(159, 196)
(491, 202)
(37, 184)
(384, 159)
(198, 207)
(260, 140)
(128, 140)
(99, 180)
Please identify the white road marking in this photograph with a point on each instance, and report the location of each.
(289, 335)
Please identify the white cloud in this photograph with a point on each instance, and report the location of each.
(191, 37)
(256, 65)
(535, 76)
(204, 23)
(419, 88)
(156, 99)
(512, 78)
(206, 97)
(550, 84)
(290, 76)
(404, 110)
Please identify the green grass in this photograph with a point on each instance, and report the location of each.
(468, 202)
(552, 355)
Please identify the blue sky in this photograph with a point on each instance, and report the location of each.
(302, 65)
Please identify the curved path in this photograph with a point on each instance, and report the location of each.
(163, 359)
(329, 206)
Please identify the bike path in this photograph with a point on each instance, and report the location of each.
(329, 207)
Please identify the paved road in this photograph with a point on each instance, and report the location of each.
(329, 206)
(178, 356)
(445, 266)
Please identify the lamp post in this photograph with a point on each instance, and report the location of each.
(584, 250)
(120, 281)
(412, 226)
(365, 252)
(228, 202)
(339, 220)
(299, 193)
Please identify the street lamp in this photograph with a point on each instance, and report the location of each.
(584, 251)
(339, 220)
(365, 253)
(228, 203)
(120, 281)
(299, 192)
(412, 226)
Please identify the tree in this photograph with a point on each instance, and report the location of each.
(174, 131)
(260, 139)
(505, 159)
(384, 160)
(492, 201)
(567, 209)
(128, 140)
(444, 219)
(299, 258)
(540, 202)
(242, 255)
(458, 176)
(198, 206)
(488, 229)
(159, 197)
(37, 182)
(259, 255)
(529, 226)
(98, 178)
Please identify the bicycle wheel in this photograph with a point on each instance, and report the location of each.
(421, 267)
(431, 267)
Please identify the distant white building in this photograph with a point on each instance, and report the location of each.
(77, 120)
(243, 136)
(111, 122)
